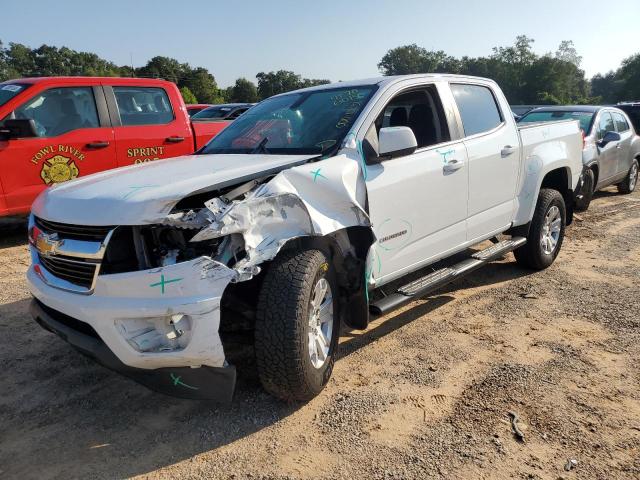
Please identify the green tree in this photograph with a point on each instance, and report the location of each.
(312, 82)
(244, 91)
(524, 76)
(629, 77)
(21, 60)
(414, 59)
(606, 88)
(166, 68)
(4, 65)
(568, 53)
(202, 84)
(274, 83)
(188, 96)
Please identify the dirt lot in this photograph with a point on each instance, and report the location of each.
(425, 393)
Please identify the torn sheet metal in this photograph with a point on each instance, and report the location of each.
(316, 198)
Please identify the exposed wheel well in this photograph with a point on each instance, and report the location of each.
(558, 179)
(348, 250)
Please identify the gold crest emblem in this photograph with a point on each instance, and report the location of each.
(58, 169)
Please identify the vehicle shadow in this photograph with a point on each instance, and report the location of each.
(13, 233)
(65, 416)
(491, 274)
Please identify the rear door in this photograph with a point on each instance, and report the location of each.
(147, 125)
(74, 139)
(608, 154)
(626, 137)
(493, 147)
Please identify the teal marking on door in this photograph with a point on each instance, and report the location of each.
(177, 381)
(316, 174)
(444, 154)
(164, 282)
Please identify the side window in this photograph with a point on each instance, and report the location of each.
(143, 105)
(420, 110)
(60, 110)
(621, 122)
(605, 124)
(478, 108)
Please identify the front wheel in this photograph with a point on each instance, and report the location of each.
(628, 185)
(297, 325)
(546, 232)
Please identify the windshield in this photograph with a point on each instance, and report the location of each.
(10, 90)
(551, 116)
(215, 112)
(297, 123)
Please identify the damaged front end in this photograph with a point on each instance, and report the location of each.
(154, 309)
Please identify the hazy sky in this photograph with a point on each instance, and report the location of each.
(338, 40)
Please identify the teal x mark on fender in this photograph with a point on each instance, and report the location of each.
(163, 282)
(316, 174)
(177, 381)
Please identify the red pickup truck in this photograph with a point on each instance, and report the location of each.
(59, 128)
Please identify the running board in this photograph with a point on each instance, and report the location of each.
(435, 280)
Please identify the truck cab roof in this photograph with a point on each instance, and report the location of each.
(87, 80)
(385, 81)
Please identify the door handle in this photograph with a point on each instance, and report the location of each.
(174, 139)
(618, 146)
(506, 151)
(97, 144)
(452, 165)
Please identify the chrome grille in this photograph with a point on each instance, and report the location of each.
(78, 272)
(78, 232)
(69, 256)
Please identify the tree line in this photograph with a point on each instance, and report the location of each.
(525, 77)
(196, 84)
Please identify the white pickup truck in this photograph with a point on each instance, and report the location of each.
(287, 221)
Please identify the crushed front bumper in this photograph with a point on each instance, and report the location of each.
(203, 383)
(101, 324)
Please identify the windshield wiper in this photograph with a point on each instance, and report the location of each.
(260, 148)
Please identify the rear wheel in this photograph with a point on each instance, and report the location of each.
(629, 183)
(546, 232)
(297, 325)
(586, 192)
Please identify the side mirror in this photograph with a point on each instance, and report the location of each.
(610, 137)
(396, 142)
(18, 128)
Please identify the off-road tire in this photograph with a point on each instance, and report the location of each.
(531, 254)
(586, 192)
(628, 185)
(282, 322)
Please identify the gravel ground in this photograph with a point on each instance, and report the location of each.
(429, 391)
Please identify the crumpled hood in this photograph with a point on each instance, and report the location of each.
(146, 193)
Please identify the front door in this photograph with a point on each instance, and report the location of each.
(418, 202)
(73, 141)
(493, 147)
(147, 128)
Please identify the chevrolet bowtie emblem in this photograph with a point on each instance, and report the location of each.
(47, 244)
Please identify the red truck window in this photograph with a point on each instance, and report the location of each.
(143, 106)
(60, 110)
